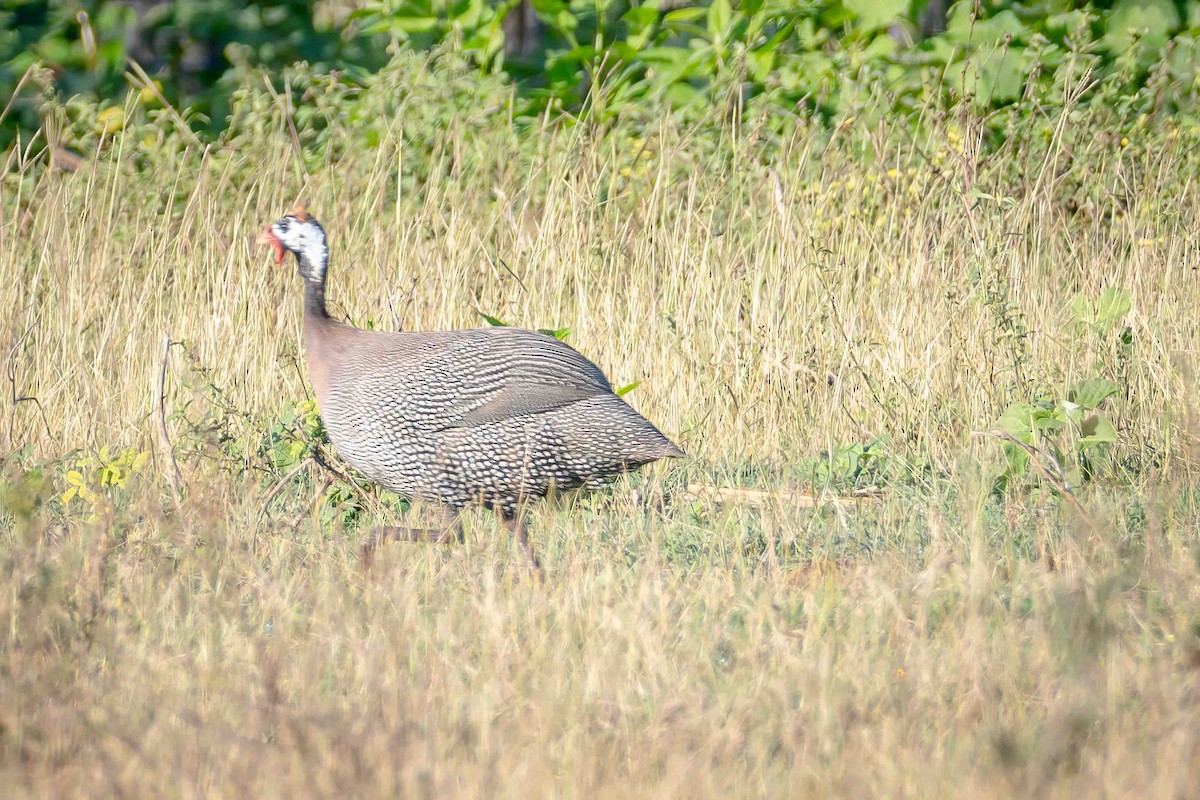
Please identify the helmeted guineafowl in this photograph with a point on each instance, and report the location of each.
(491, 415)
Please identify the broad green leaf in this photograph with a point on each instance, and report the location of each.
(1113, 306)
(873, 14)
(74, 478)
(880, 47)
(627, 388)
(471, 16)
(567, 63)
(982, 32)
(1047, 423)
(1096, 429)
(1017, 458)
(556, 14)
(1001, 76)
(558, 333)
(670, 64)
(1018, 422)
(759, 63)
(666, 55)
(719, 14)
(642, 22)
(548, 8)
(1089, 394)
(1184, 59)
(1072, 412)
(1153, 21)
(1067, 23)
(1082, 312)
(682, 95)
(493, 321)
(566, 22)
(640, 17)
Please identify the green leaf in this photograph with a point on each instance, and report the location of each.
(666, 55)
(576, 55)
(719, 14)
(670, 64)
(1153, 21)
(685, 14)
(1113, 306)
(985, 31)
(493, 321)
(882, 46)
(873, 14)
(640, 17)
(1067, 23)
(1071, 412)
(556, 14)
(1096, 430)
(1018, 422)
(1017, 458)
(1104, 314)
(1001, 76)
(627, 388)
(1091, 393)
(558, 333)
(1082, 312)
(759, 64)
(1048, 423)
(548, 8)
(414, 24)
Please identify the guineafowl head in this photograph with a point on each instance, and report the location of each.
(299, 233)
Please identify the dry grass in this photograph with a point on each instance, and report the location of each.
(776, 302)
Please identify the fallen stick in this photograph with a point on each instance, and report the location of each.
(760, 497)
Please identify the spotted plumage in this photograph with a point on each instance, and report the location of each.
(495, 416)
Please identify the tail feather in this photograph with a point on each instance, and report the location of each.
(672, 450)
(611, 431)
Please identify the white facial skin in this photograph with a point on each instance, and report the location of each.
(306, 239)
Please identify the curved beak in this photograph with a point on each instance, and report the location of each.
(266, 237)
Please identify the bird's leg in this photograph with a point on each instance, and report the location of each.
(515, 522)
(451, 528)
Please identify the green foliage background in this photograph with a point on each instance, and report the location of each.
(601, 58)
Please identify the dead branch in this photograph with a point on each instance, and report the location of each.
(737, 495)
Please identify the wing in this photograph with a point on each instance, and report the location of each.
(458, 379)
(514, 401)
(522, 373)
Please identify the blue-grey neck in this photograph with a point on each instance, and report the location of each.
(314, 284)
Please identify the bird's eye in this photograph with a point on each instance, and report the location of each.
(284, 224)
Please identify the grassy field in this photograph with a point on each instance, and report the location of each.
(781, 296)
